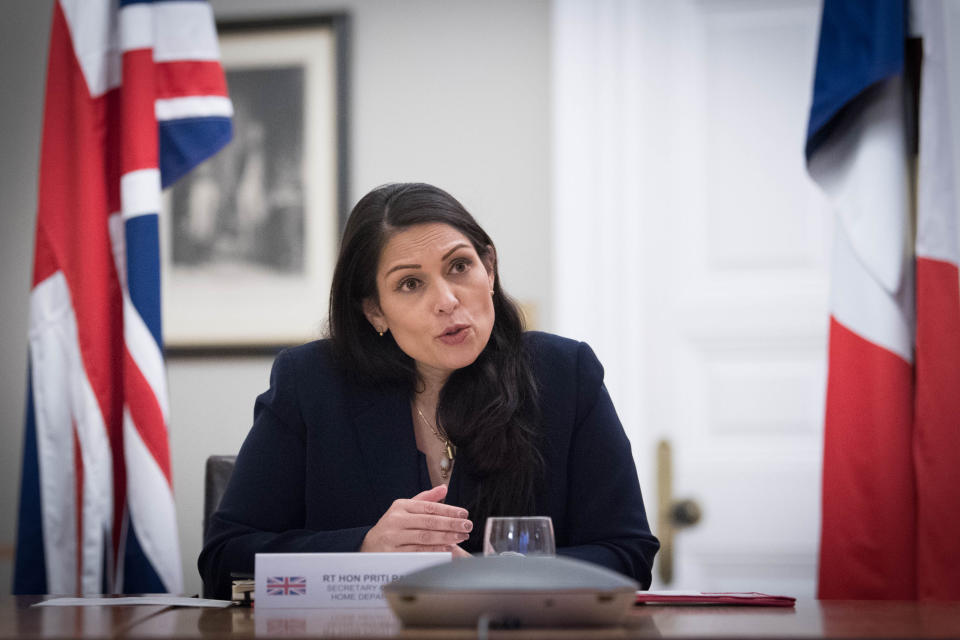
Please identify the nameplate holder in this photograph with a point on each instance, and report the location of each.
(332, 580)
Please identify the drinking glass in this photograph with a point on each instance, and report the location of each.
(519, 536)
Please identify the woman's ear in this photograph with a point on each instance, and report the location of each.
(371, 309)
(490, 264)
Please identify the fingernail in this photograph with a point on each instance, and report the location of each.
(462, 537)
(467, 525)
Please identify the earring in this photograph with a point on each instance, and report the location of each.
(491, 291)
(380, 332)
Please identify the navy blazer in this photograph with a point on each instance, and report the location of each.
(326, 458)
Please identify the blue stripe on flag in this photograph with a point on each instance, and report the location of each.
(139, 575)
(187, 142)
(861, 43)
(30, 569)
(143, 270)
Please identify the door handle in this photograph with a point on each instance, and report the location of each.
(672, 514)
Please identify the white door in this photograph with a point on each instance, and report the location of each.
(690, 251)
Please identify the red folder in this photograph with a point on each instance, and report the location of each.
(753, 599)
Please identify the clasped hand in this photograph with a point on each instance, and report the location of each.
(421, 523)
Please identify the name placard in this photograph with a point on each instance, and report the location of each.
(332, 580)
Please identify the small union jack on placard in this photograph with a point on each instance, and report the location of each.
(287, 586)
(338, 579)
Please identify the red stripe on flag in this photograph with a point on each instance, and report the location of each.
(189, 78)
(937, 430)
(139, 124)
(79, 186)
(868, 531)
(146, 415)
(44, 259)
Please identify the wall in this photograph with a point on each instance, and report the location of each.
(24, 32)
(450, 92)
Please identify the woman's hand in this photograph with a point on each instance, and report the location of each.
(421, 523)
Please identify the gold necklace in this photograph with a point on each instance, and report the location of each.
(448, 447)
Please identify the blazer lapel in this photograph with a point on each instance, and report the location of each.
(387, 444)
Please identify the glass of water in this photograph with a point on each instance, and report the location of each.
(519, 536)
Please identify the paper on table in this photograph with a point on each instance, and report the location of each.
(750, 598)
(167, 601)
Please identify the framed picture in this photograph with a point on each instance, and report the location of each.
(250, 235)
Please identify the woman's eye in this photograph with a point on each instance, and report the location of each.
(460, 266)
(408, 284)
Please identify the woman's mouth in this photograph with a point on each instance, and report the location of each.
(454, 334)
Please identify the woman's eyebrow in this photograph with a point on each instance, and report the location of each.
(462, 245)
(401, 266)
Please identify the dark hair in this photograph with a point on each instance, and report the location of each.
(488, 408)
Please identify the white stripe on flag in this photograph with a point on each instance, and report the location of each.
(97, 459)
(174, 30)
(937, 232)
(185, 31)
(136, 27)
(58, 373)
(151, 508)
(872, 289)
(146, 353)
(94, 43)
(858, 302)
(140, 192)
(193, 107)
(853, 164)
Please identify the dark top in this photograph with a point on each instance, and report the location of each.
(326, 458)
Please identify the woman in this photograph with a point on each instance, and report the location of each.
(427, 410)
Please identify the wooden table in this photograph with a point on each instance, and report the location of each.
(810, 619)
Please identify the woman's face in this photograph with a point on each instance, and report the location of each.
(435, 298)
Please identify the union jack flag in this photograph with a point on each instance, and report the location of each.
(287, 586)
(135, 98)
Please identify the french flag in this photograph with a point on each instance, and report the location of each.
(135, 98)
(891, 476)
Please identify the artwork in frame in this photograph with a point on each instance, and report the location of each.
(250, 236)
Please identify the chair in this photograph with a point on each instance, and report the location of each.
(218, 472)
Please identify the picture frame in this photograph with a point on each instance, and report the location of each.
(250, 236)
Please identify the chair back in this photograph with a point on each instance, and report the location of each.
(218, 472)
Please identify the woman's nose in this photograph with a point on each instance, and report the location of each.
(446, 300)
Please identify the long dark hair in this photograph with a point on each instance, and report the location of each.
(488, 408)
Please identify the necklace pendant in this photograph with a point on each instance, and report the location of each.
(449, 449)
(444, 467)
